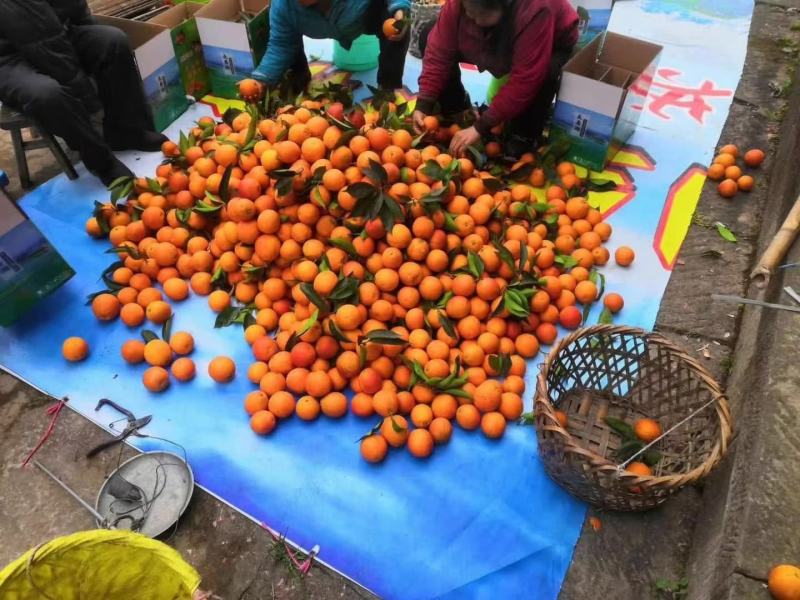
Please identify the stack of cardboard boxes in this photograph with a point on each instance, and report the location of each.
(195, 48)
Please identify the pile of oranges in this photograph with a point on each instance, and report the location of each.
(729, 174)
(355, 255)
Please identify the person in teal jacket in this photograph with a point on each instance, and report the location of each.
(341, 20)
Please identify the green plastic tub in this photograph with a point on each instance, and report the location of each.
(362, 56)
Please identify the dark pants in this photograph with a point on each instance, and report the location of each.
(106, 56)
(531, 122)
(391, 60)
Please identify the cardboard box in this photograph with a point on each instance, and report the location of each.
(600, 86)
(30, 268)
(188, 49)
(594, 17)
(232, 47)
(158, 68)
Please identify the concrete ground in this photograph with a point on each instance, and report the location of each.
(722, 537)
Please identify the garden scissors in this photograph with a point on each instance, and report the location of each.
(132, 427)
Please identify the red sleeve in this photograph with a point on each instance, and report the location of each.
(530, 64)
(440, 53)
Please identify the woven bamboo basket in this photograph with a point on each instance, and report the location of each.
(627, 373)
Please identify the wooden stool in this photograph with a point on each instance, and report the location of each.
(14, 122)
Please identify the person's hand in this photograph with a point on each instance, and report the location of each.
(465, 137)
(399, 15)
(417, 119)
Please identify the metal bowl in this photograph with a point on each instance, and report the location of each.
(163, 474)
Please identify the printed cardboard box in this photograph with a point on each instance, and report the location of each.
(594, 17)
(188, 49)
(30, 268)
(233, 43)
(603, 88)
(158, 68)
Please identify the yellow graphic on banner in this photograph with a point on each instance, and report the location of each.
(220, 105)
(677, 214)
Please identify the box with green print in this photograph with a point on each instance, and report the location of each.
(186, 43)
(158, 68)
(603, 89)
(30, 268)
(234, 36)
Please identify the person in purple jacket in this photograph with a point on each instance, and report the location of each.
(341, 20)
(527, 40)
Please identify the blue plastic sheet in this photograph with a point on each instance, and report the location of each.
(479, 519)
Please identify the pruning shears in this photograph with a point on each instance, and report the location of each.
(131, 428)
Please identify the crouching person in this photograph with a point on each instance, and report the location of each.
(526, 40)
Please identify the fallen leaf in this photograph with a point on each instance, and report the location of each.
(595, 523)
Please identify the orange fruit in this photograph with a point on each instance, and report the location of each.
(74, 349)
(263, 422)
(493, 425)
(421, 415)
(395, 430)
(281, 404)
(156, 379)
(176, 288)
(219, 300)
(441, 429)
(374, 448)
(639, 468)
(132, 351)
(586, 291)
(132, 314)
(181, 342)
(613, 302)
(726, 160)
(716, 172)
(754, 157)
(468, 417)
(487, 396)
(784, 582)
(624, 256)
(157, 353)
(430, 123)
(727, 188)
(105, 307)
(511, 406)
(385, 403)
(221, 369)
(420, 443)
(745, 183)
(183, 369)
(255, 401)
(562, 418)
(158, 312)
(733, 172)
(526, 345)
(334, 405)
(646, 429)
(307, 408)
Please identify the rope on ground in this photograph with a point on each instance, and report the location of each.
(53, 410)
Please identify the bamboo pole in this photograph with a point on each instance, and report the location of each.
(778, 247)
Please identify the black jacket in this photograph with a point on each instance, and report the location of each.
(37, 32)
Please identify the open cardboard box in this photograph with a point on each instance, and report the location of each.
(232, 47)
(594, 17)
(186, 43)
(30, 268)
(600, 86)
(158, 68)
